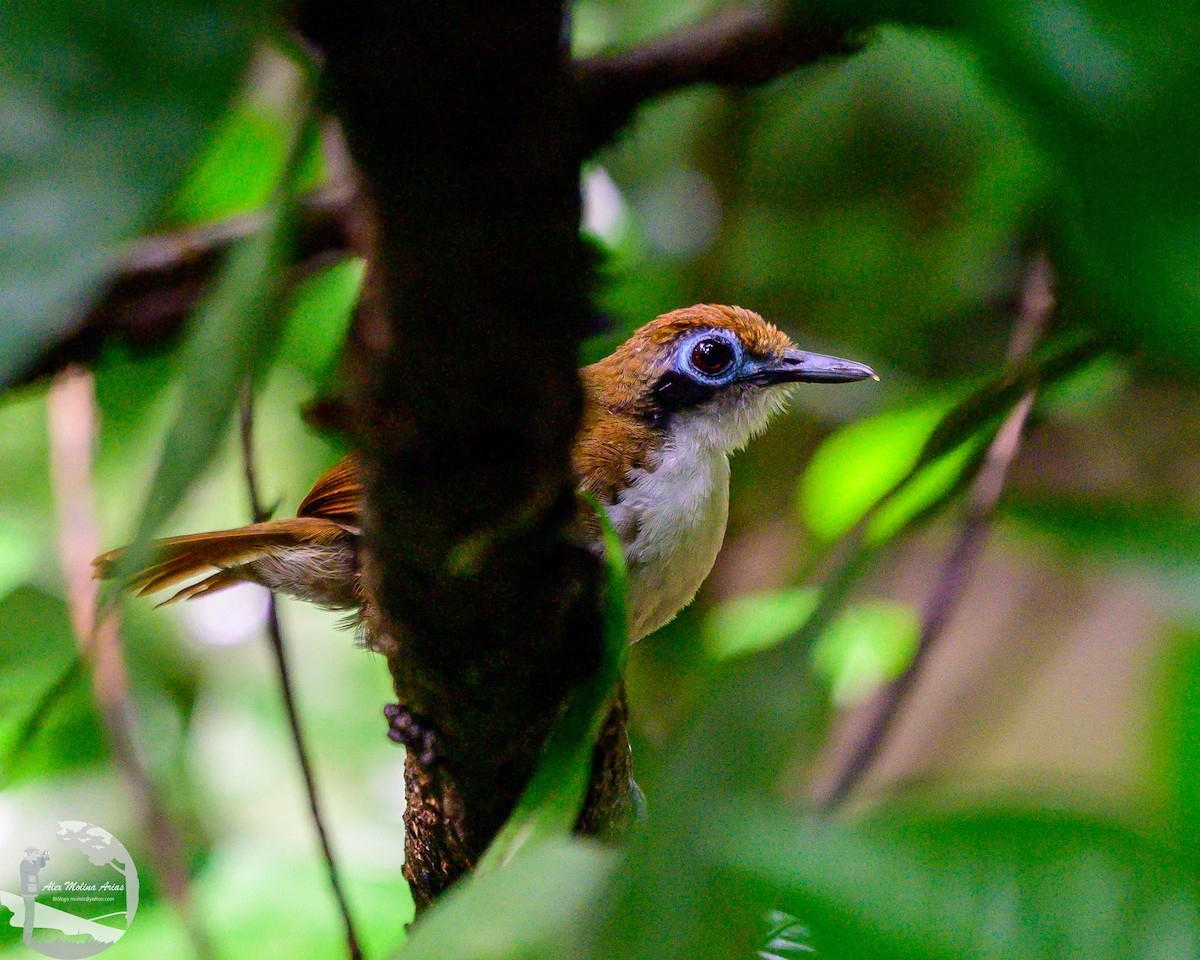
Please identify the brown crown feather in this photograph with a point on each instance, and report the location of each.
(619, 382)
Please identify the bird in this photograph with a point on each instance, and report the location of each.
(662, 414)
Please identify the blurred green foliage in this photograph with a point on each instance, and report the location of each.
(103, 109)
(877, 207)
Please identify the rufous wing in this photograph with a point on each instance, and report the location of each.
(180, 558)
(326, 516)
(336, 496)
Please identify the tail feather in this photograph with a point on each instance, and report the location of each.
(232, 552)
(210, 584)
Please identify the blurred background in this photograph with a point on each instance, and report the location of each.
(881, 208)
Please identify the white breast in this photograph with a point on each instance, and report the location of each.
(671, 521)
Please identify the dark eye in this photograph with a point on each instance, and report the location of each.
(712, 356)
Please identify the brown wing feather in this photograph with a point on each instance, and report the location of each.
(218, 581)
(336, 496)
(182, 557)
(612, 440)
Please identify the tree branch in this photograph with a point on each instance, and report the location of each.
(157, 280)
(743, 48)
(1036, 305)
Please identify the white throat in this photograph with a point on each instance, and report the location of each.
(671, 518)
(733, 419)
(671, 521)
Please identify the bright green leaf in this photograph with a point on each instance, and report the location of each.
(867, 645)
(20, 550)
(899, 464)
(857, 466)
(756, 621)
(248, 155)
(928, 487)
(319, 317)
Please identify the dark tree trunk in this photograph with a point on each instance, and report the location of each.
(466, 397)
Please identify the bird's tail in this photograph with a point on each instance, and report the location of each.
(308, 557)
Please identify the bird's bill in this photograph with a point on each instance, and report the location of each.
(800, 366)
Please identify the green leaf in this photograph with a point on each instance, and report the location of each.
(893, 468)
(540, 906)
(1176, 733)
(36, 645)
(318, 318)
(234, 332)
(20, 550)
(756, 621)
(249, 152)
(1094, 387)
(1107, 91)
(550, 805)
(989, 403)
(866, 644)
(48, 722)
(1165, 535)
(889, 470)
(861, 463)
(1017, 884)
(102, 107)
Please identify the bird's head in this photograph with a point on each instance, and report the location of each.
(720, 373)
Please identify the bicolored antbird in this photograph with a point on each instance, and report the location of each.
(662, 414)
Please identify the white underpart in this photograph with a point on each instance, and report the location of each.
(323, 574)
(671, 518)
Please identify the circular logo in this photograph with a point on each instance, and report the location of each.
(78, 895)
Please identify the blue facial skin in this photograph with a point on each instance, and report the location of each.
(740, 365)
(684, 385)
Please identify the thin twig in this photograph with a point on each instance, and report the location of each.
(1036, 304)
(261, 514)
(72, 428)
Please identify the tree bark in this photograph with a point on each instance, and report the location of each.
(465, 396)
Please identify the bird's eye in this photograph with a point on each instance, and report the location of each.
(712, 356)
